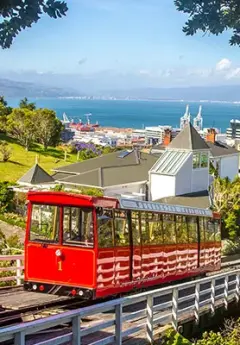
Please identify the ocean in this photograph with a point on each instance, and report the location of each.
(137, 114)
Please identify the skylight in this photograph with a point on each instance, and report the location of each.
(124, 154)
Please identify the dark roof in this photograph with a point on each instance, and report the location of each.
(188, 139)
(108, 170)
(36, 175)
(199, 199)
(104, 161)
(218, 149)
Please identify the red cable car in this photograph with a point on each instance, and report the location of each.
(93, 247)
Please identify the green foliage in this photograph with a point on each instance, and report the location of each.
(6, 197)
(211, 16)
(48, 127)
(17, 15)
(231, 247)
(4, 109)
(174, 338)
(21, 125)
(25, 104)
(229, 336)
(5, 151)
(226, 201)
(13, 219)
(58, 188)
(91, 191)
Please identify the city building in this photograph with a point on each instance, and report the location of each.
(233, 132)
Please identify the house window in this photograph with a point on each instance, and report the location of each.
(196, 161)
(200, 160)
(204, 160)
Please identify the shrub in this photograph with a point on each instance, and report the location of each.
(6, 197)
(231, 247)
(13, 219)
(5, 151)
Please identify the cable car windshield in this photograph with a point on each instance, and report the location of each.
(77, 225)
(45, 223)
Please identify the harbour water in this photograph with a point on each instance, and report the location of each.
(136, 114)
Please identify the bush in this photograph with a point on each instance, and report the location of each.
(231, 247)
(6, 197)
(5, 151)
(174, 338)
(13, 219)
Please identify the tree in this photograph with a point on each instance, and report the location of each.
(211, 16)
(6, 197)
(4, 109)
(48, 127)
(25, 104)
(225, 200)
(21, 125)
(17, 15)
(5, 151)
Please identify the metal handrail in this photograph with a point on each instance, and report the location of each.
(152, 313)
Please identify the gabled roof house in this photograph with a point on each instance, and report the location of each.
(183, 169)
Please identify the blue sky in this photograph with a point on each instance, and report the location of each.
(126, 43)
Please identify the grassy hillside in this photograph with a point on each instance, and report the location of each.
(21, 160)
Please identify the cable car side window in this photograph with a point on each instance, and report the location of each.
(45, 223)
(105, 229)
(77, 226)
(121, 228)
(155, 228)
(210, 231)
(169, 229)
(181, 230)
(192, 229)
(136, 234)
(217, 230)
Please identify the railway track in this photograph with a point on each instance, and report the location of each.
(33, 311)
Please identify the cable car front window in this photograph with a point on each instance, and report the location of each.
(45, 223)
(77, 226)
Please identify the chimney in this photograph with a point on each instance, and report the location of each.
(211, 135)
(167, 137)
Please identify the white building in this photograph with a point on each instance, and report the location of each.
(183, 168)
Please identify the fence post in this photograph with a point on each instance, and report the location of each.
(197, 303)
(76, 330)
(175, 309)
(150, 319)
(213, 296)
(19, 338)
(226, 292)
(118, 324)
(19, 273)
(237, 287)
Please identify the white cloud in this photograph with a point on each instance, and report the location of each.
(223, 65)
(234, 73)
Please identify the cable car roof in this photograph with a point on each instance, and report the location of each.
(139, 205)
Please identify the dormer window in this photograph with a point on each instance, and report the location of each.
(200, 160)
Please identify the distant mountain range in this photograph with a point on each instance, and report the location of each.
(13, 88)
(230, 93)
(10, 88)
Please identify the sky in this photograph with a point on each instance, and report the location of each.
(103, 44)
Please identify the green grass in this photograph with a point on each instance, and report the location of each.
(21, 160)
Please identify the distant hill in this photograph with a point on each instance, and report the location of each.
(228, 93)
(10, 88)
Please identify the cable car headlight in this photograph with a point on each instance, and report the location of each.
(58, 253)
(34, 287)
